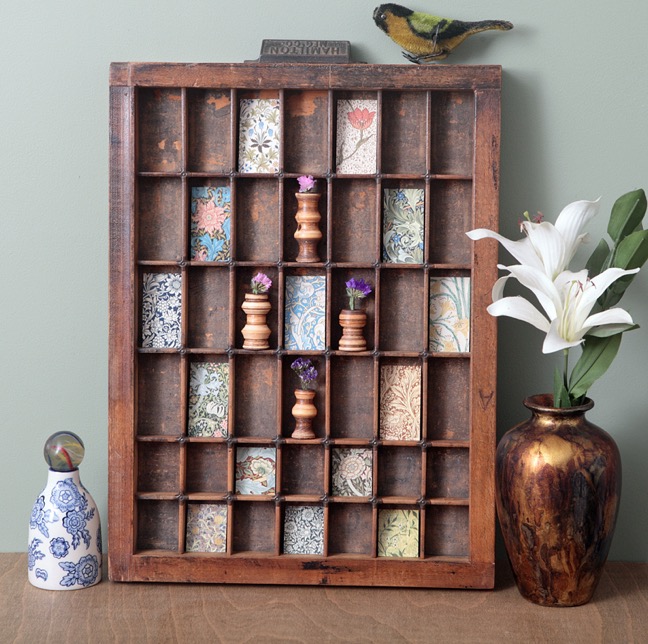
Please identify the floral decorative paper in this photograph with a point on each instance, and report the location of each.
(304, 530)
(255, 470)
(259, 129)
(352, 471)
(305, 306)
(403, 212)
(161, 310)
(210, 224)
(398, 533)
(206, 527)
(356, 136)
(449, 314)
(208, 399)
(400, 402)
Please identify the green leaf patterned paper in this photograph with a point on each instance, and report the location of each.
(449, 314)
(206, 527)
(352, 471)
(260, 120)
(403, 224)
(208, 399)
(400, 402)
(398, 533)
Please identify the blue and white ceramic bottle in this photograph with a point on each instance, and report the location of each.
(64, 549)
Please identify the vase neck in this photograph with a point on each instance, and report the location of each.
(54, 476)
(542, 405)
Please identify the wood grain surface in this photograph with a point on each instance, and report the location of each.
(135, 612)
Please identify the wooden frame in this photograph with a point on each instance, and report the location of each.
(173, 127)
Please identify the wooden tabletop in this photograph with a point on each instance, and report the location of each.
(111, 612)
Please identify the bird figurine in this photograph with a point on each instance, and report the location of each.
(425, 37)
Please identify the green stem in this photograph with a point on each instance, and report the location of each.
(566, 367)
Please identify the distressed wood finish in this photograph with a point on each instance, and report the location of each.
(174, 127)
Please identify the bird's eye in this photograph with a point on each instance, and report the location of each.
(383, 16)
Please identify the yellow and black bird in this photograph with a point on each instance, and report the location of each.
(425, 37)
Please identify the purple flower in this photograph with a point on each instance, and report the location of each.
(306, 183)
(260, 283)
(305, 371)
(356, 290)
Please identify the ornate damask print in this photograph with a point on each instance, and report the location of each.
(304, 316)
(351, 471)
(398, 533)
(259, 135)
(206, 527)
(255, 470)
(161, 310)
(449, 314)
(400, 402)
(304, 530)
(210, 223)
(403, 224)
(356, 136)
(208, 399)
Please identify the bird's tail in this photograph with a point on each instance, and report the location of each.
(485, 25)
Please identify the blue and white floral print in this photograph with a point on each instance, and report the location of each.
(34, 554)
(305, 309)
(161, 310)
(66, 496)
(59, 547)
(64, 550)
(84, 573)
(40, 517)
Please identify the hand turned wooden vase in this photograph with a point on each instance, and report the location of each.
(558, 487)
(353, 323)
(308, 233)
(256, 330)
(304, 411)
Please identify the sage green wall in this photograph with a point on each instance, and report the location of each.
(575, 105)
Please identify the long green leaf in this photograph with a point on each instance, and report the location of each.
(595, 263)
(627, 213)
(597, 356)
(631, 252)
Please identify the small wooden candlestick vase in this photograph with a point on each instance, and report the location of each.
(308, 233)
(352, 323)
(304, 411)
(256, 331)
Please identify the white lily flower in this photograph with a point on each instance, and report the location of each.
(548, 247)
(566, 301)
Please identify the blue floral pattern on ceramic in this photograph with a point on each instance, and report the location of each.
(64, 549)
(84, 573)
(59, 547)
(40, 517)
(305, 306)
(161, 310)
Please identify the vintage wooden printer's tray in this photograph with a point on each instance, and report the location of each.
(175, 128)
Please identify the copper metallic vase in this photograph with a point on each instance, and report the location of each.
(558, 489)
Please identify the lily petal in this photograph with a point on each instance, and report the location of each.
(522, 249)
(571, 221)
(609, 318)
(541, 286)
(555, 342)
(520, 309)
(549, 246)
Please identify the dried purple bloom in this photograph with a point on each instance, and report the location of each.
(306, 183)
(305, 371)
(260, 283)
(356, 290)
